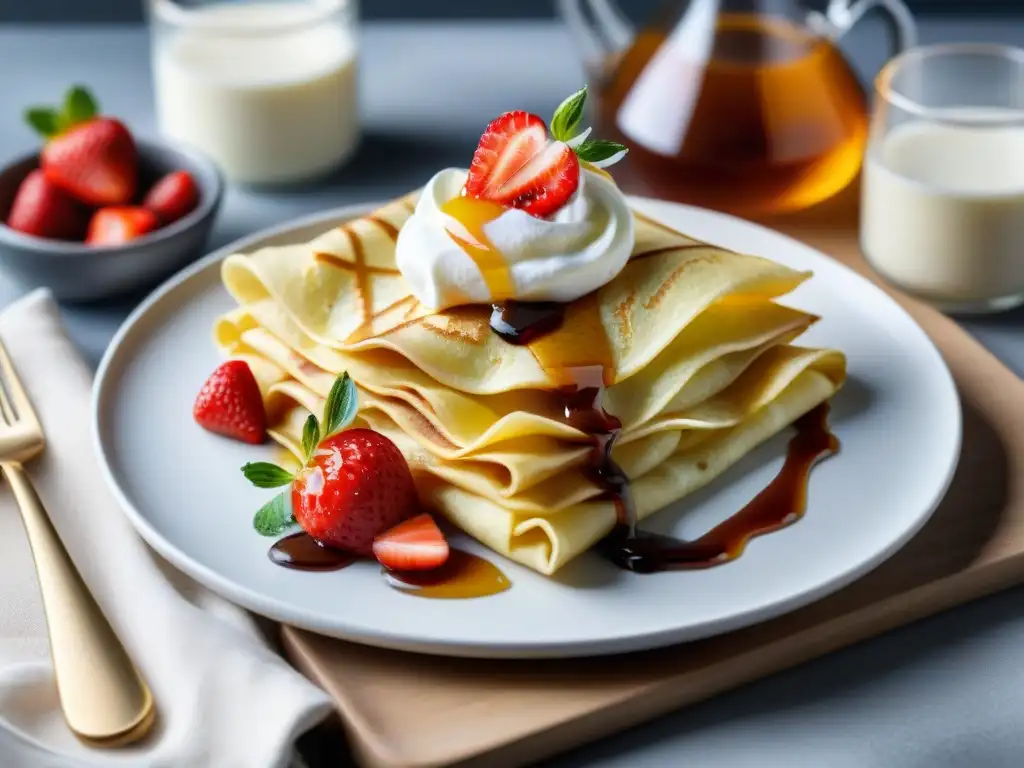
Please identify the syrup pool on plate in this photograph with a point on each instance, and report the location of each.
(463, 576)
(268, 90)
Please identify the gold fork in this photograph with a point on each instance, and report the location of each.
(104, 700)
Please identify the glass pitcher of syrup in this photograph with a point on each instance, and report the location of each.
(745, 106)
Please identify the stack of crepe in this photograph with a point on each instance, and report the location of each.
(696, 353)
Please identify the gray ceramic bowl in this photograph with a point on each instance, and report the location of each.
(79, 272)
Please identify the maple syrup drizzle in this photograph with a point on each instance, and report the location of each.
(301, 552)
(463, 576)
(782, 502)
(571, 345)
(472, 215)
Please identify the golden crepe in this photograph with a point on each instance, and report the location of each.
(698, 365)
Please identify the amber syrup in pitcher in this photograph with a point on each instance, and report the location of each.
(770, 119)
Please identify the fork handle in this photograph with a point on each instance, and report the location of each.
(104, 700)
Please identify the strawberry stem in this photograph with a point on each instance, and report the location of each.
(78, 107)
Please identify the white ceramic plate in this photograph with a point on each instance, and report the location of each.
(898, 418)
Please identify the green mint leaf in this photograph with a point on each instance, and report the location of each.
(45, 121)
(310, 437)
(265, 475)
(568, 116)
(275, 517)
(599, 150)
(79, 106)
(342, 404)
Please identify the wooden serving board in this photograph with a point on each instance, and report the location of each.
(403, 710)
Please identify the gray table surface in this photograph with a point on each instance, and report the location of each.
(948, 691)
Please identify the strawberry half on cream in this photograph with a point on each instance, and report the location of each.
(534, 218)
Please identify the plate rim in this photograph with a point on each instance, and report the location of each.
(274, 609)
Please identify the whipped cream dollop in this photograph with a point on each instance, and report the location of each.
(580, 248)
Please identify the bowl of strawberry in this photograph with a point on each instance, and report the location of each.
(97, 212)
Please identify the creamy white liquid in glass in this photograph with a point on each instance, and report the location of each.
(943, 209)
(270, 98)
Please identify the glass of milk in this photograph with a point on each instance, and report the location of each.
(942, 209)
(267, 88)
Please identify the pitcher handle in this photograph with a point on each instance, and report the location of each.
(842, 15)
(609, 33)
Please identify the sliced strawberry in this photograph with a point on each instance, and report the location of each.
(173, 197)
(119, 224)
(230, 404)
(44, 210)
(546, 183)
(508, 143)
(95, 162)
(415, 545)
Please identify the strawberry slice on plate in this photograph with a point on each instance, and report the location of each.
(415, 545)
(230, 404)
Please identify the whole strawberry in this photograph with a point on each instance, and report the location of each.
(230, 404)
(354, 484)
(173, 197)
(90, 157)
(42, 209)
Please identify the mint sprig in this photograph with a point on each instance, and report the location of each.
(310, 438)
(79, 106)
(599, 150)
(263, 474)
(341, 406)
(565, 126)
(566, 122)
(275, 517)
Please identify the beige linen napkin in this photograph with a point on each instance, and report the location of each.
(225, 699)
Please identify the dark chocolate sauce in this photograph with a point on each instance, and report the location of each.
(781, 503)
(584, 411)
(463, 576)
(302, 552)
(520, 322)
(582, 375)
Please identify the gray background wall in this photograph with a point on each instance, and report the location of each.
(66, 11)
